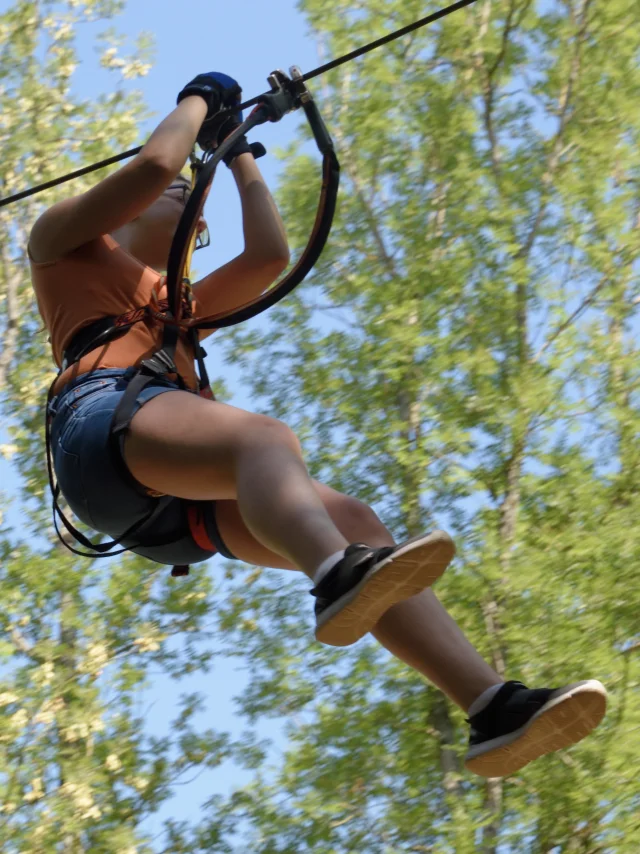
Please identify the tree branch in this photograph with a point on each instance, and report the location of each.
(573, 316)
(440, 720)
(488, 93)
(557, 148)
(631, 648)
(351, 170)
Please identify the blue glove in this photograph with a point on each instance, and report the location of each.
(218, 90)
(221, 92)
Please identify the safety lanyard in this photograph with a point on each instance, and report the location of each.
(287, 94)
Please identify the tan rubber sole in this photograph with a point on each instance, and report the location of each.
(406, 573)
(567, 720)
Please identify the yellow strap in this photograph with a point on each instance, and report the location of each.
(192, 244)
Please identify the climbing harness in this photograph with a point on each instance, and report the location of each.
(176, 313)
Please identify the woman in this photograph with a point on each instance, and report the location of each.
(100, 254)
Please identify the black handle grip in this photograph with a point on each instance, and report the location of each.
(318, 127)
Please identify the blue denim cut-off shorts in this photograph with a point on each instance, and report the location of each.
(92, 481)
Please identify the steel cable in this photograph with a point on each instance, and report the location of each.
(322, 69)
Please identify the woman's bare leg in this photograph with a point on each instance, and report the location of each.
(183, 445)
(418, 631)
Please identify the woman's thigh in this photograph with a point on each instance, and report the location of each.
(355, 520)
(184, 445)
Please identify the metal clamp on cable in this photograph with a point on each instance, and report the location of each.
(281, 100)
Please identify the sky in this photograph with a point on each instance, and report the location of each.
(247, 41)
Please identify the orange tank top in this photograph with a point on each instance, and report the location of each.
(100, 279)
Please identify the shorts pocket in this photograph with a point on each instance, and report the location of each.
(85, 431)
(69, 436)
(69, 476)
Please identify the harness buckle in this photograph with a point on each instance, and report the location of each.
(166, 366)
(181, 569)
(298, 85)
(280, 100)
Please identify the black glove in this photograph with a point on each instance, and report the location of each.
(214, 133)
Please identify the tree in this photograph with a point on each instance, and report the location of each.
(463, 353)
(78, 769)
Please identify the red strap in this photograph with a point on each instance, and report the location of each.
(198, 528)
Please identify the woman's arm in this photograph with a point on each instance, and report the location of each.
(264, 236)
(125, 194)
(266, 251)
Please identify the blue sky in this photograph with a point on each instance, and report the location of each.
(247, 42)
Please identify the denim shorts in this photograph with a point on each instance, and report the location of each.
(98, 488)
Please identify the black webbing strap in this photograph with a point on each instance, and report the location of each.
(200, 354)
(157, 366)
(102, 549)
(124, 410)
(101, 331)
(161, 363)
(99, 549)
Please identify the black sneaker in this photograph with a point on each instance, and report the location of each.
(361, 587)
(520, 724)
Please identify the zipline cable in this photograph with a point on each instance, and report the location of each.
(84, 171)
(322, 69)
(360, 51)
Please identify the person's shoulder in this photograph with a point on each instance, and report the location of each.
(43, 250)
(41, 242)
(111, 203)
(33, 260)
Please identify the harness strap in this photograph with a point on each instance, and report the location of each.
(89, 337)
(107, 329)
(101, 549)
(200, 354)
(199, 528)
(158, 365)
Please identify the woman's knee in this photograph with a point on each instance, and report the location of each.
(262, 430)
(357, 522)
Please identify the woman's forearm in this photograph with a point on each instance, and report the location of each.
(172, 141)
(264, 234)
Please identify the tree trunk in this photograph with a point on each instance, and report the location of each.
(68, 641)
(494, 788)
(440, 720)
(9, 336)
